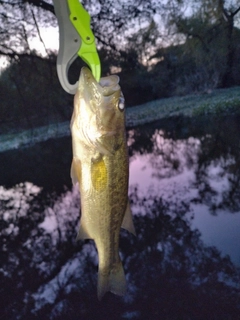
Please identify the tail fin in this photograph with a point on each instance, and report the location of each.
(114, 282)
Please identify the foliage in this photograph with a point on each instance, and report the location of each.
(24, 18)
(31, 93)
(19, 23)
(212, 39)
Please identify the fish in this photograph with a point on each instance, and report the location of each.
(100, 166)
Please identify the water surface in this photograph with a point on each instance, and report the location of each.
(200, 168)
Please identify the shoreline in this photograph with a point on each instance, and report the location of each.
(217, 103)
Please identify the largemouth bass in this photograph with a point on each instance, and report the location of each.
(100, 166)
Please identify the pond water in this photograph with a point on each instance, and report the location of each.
(185, 196)
(187, 169)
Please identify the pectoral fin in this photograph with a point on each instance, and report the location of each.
(76, 171)
(128, 221)
(99, 174)
(83, 233)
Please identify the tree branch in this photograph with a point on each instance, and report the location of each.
(41, 4)
(38, 31)
(235, 12)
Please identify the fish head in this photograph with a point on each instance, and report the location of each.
(99, 107)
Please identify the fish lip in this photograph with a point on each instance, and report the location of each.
(106, 86)
(86, 75)
(86, 79)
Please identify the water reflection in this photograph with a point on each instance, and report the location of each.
(179, 181)
(212, 155)
(45, 273)
(202, 170)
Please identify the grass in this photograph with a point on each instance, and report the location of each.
(218, 102)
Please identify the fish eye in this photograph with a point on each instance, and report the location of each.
(121, 104)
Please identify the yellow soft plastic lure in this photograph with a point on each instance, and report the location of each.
(76, 39)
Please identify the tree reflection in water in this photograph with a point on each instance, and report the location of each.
(210, 147)
(171, 273)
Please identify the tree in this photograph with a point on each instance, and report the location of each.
(19, 23)
(20, 20)
(211, 36)
(31, 94)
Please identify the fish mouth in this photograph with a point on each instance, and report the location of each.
(106, 86)
(100, 118)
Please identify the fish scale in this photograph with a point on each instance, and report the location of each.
(100, 166)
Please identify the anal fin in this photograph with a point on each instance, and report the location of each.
(128, 221)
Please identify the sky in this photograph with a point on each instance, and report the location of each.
(50, 36)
